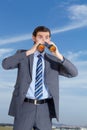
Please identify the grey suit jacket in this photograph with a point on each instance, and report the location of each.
(53, 68)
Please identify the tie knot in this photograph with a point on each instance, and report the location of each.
(39, 56)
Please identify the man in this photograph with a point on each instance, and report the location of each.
(36, 96)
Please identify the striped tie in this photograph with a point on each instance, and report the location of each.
(38, 80)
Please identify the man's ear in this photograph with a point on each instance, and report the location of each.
(33, 38)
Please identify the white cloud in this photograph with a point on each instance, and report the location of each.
(76, 55)
(4, 51)
(78, 12)
(6, 84)
(15, 39)
(78, 17)
(70, 27)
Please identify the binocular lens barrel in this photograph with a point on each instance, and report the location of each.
(41, 47)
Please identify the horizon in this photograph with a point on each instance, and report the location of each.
(53, 124)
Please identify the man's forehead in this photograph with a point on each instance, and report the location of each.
(43, 33)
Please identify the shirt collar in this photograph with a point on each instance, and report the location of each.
(37, 53)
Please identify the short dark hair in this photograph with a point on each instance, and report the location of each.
(41, 29)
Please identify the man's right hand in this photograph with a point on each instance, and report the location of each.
(33, 49)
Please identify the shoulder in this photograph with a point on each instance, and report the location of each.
(20, 51)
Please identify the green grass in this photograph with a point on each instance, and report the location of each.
(5, 128)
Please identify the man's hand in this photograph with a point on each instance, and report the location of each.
(32, 50)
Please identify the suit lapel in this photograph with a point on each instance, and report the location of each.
(30, 64)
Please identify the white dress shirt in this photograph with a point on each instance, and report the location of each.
(31, 90)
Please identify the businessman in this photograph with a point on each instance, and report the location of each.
(35, 99)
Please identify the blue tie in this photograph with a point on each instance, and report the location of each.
(38, 80)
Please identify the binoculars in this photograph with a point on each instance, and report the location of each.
(41, 47)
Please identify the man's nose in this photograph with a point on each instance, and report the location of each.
(44, 39)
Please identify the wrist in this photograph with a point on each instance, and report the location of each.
(59, 56)
(29, 52)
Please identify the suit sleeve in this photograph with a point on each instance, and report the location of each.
(13, 61)
(67, 69)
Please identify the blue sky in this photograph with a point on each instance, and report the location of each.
(67, 20)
